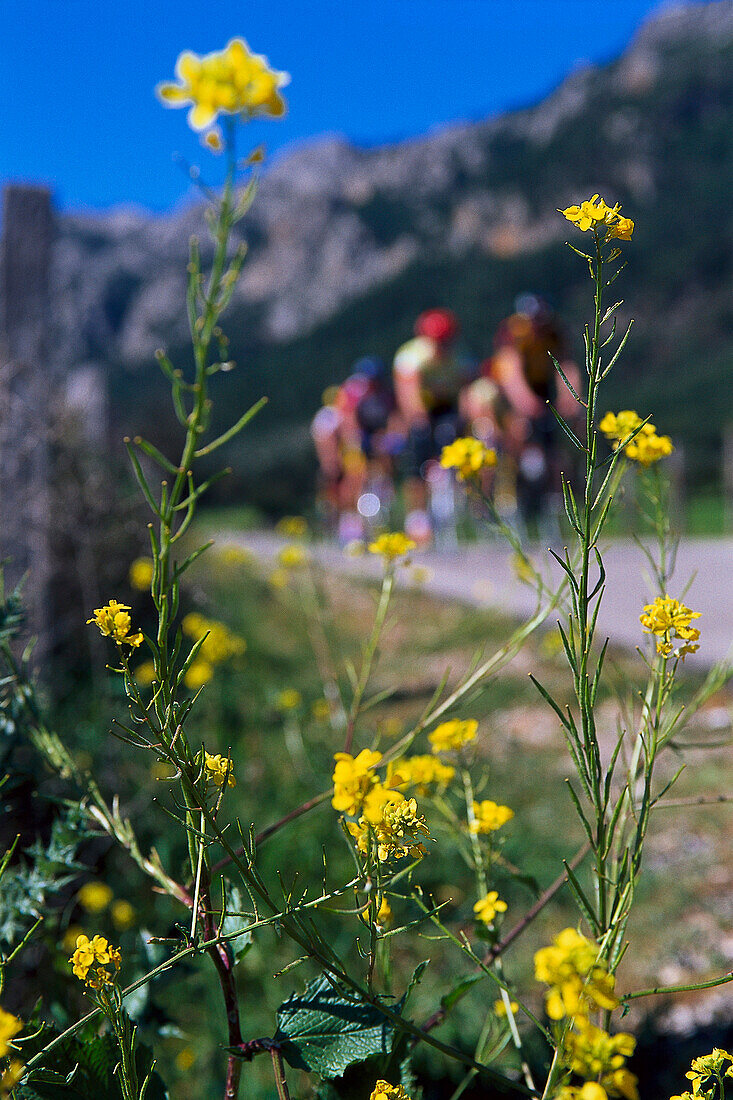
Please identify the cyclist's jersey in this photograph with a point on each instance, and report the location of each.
(442, 374)
(533, 342)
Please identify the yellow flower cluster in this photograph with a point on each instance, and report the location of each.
(220, 644)
(114, 622)
(453, 735)
(391, 546)
(467, 456)
(391, 823)
(9, 1027)
(595, 211)
(292, 557)
(353, 778)
(94, 897)
(420, 772)
(10, 1078)
(141, 574)
(578, 980)
(670, 621)
(219, 769)
(289, 699)
(595, 1055)
(232, 81)
(646, 447)
(384, 1091)
(489, 816)
(705, 1072)
(292, 527)
(385, 818)
(579, 983)
(91, 959)
(488, 906)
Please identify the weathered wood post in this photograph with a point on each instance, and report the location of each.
(26, 395)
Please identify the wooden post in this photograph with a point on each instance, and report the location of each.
(26, 395)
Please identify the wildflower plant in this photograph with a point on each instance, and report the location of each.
(393, 801)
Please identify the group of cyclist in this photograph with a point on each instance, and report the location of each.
(380, 425)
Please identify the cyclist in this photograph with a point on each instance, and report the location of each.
(523, 371)
(356, 435)
(429, 375)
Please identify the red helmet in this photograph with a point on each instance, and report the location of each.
(437, 324)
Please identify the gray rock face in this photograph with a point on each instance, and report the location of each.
(331, 221)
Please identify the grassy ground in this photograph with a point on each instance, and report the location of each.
(285, 755)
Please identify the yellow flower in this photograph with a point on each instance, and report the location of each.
(321, 709)
(670, 620)
(145, 673)
(420, 772)
(578, 979)
(619, 426)
(279, 578)
(623, 230)
(488, 906)
(647, 447)
(141, 574)
(384, 913)
(10, 1077)
(292, 527)
(94, 897)
(384, 1091)
(185, 1059)
(123, 914)
(235, 555)
(709, 1065)
(590, 212)
(9, 1027)
(113, 621)
(352, 779)
(500, 1008)
(220, 770)
(70, 937)
(391, 546)
(467, 456)
(489, 816)
(592, 1053)
(94, 956)
(289, 699)
(391, 727)
(390, 823)
(220, 643)
(198, 674)
(453, 734)
(292, 557)
(591, 1090)
(232, 81)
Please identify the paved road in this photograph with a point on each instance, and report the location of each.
(482, 575)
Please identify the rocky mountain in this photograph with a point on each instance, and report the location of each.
(347, 244)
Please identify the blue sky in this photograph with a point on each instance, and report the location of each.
(77, 76)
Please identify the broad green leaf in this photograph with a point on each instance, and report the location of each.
(325, 1030)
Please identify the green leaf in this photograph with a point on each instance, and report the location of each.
(325, 1030)
(233, 922)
